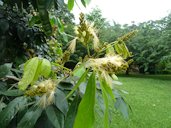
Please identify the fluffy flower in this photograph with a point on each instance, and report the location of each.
(106, 67)
(45, 90)
(108, 64)
(72, 45)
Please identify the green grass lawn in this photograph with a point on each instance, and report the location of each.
(150, 99)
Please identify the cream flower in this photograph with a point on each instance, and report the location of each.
(106, 67)
(45, 90)
(108, 63)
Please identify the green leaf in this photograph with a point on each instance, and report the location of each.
(70, 4)
(59, 116)
(33, 68)
(2, 105)
(30, 69)
(51, 114)
(85, 116)
(44, 16)
(30, 118)
(109, 49)
(43, 121)
(83, 2)
(65, 37)
(34, 20)
(78, 83)
(122, 107)
(118, 48)
(60, 26)
(11, 110)
(126, 53)
(106, 102)
(45, 68)
(14, 92)
(69, 122)
(79, 71)
(87, 1)
(61, 101)
(3, 86)
(5, 69)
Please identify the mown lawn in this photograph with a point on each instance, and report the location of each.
(150, 99)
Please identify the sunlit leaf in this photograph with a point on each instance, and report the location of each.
(45, 68)
(30, 69)
(34, 68)
(106, 102)
(60, 25)
(7, 114)
(118, 49)
(70, 4)
(85, 116)
(79, 71)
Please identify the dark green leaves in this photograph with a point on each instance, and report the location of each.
(69, 122)
(61, 101)
(85, 115)
(44, 16)
(78, 83)
(30, 118)
(11, 110)
(14, 92)
(85, 2)
(55, 116)
(70, 4)
(5, 70)
(121, 105)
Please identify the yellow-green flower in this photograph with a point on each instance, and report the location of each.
(45, 90)
(107, 66)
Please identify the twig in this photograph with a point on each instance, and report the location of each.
(12, 77)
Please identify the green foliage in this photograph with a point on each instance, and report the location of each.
(34, 68)
(53, 116)
(51, 95)
(70, 4)
(11, 110)
(28, 121)
(5, 70)
(86, 108)
(72, 112)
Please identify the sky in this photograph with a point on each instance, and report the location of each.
(126, 11)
